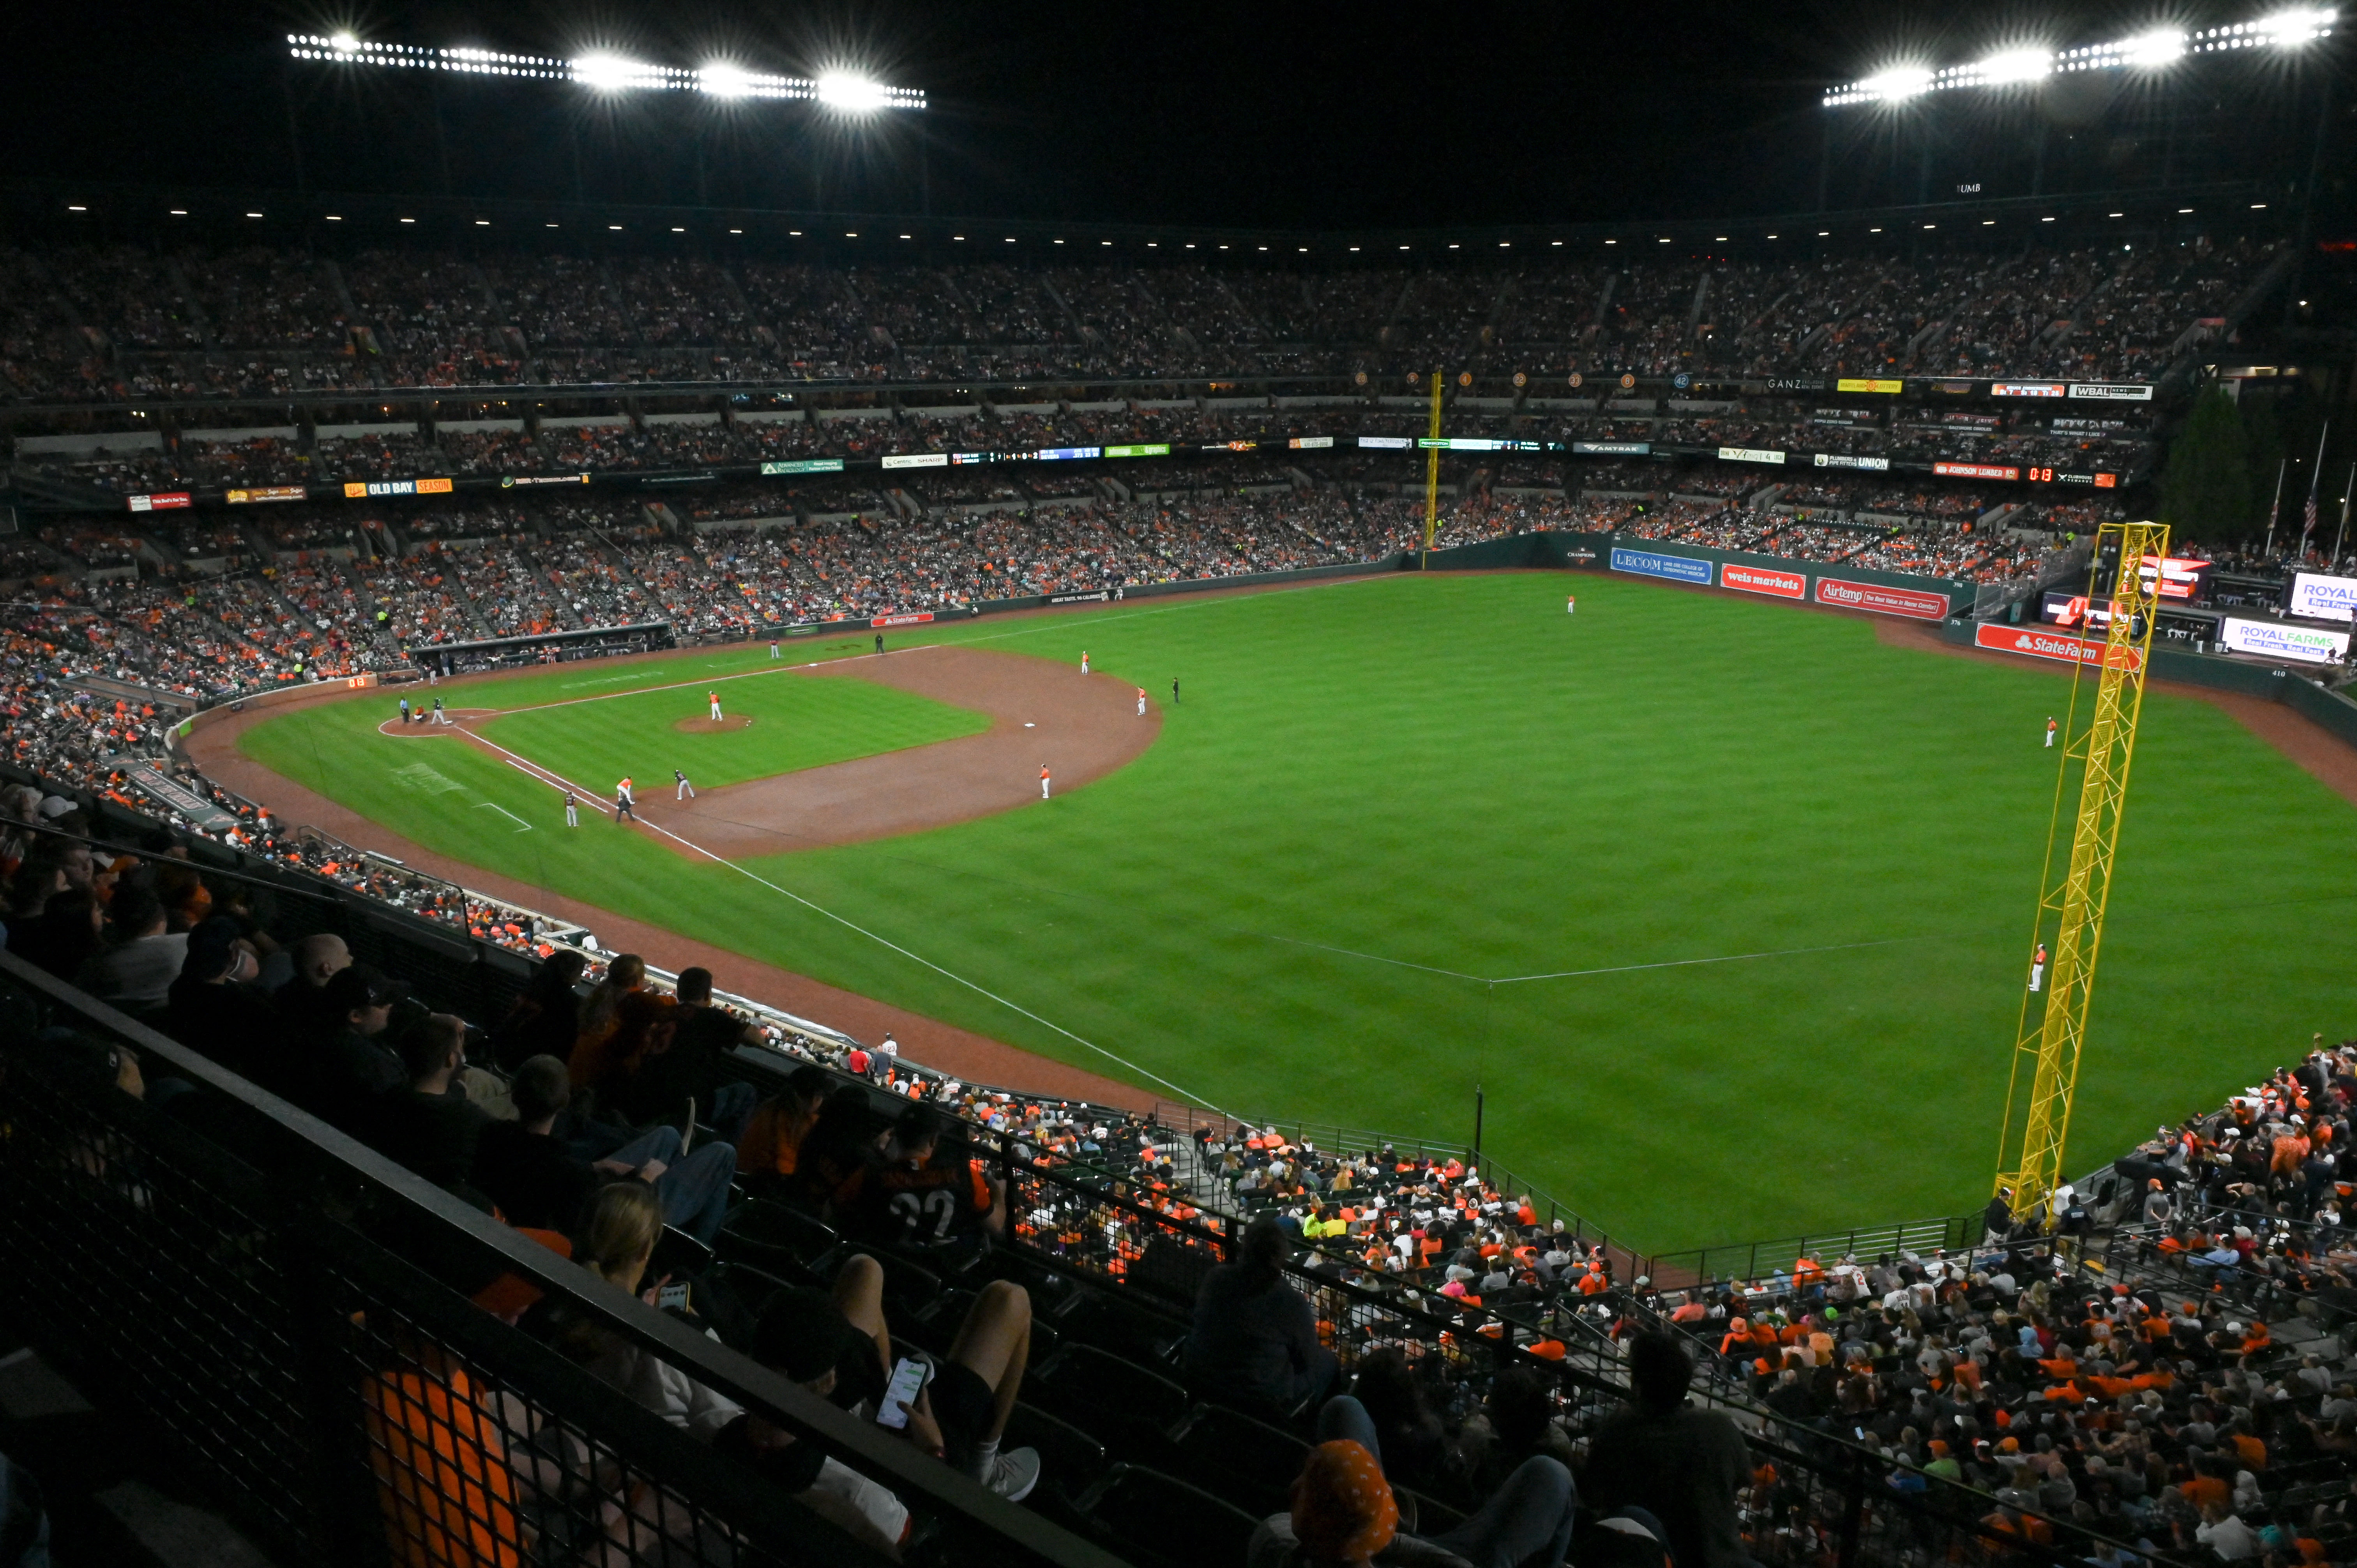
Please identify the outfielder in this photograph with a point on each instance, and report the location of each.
(572, 810)
(624, 802)
(1141, 702)
(1571, 603)
(686, 791)
(2050, 732)
(714, 698)
(2038, 967)
(1043, 781)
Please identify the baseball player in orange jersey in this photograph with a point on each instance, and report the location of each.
(2038, 967)
(625, 802)
(714, 698)
(1043, 781)
(1141, 702)
(1571, 603)
(2050, 730)
(1084, 661)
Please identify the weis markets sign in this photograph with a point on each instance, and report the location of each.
(1649, 564)
(2049, 645)
(1843, 593)
(1762, 580)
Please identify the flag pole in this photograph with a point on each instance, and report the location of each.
(2274, 509)
(2347, 485)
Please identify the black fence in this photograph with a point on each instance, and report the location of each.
(293, 1322)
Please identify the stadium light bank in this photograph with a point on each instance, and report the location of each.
(2144, 51)
(842, 91)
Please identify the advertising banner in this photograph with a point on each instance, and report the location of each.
(1062, 454)
(513, 481)
(1306, 443)
(1602, 449)
(917, 460)
(2040, 644)
(1845, 460)
(2110, 391)
(2026, 388)
(1152, 449)
(166, 501)
(2319, 597)
(1748, 455)
(1649, 564)
(1862, 385)
(805, 466)
(266, 493)
(1389, 443)
(1794, 384)
(1102, 596)
(1848, 595)
(1763, 580)
(2273, 639)
(900, 619)
(362, 490)
(1976, 470)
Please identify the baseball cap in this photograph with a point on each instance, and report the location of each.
(56, 805)
(801, 1334)
(360, 985)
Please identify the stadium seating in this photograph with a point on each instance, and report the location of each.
(2150, 1280)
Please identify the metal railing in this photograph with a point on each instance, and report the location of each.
(294, 1319)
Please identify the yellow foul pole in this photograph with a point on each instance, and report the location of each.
(2049, 1040)
(1432, 476)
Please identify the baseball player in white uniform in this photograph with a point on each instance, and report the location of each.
(572, 810)
(686, 791)
(714, 698)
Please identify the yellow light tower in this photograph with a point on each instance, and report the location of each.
(2053, 1025)
(1432, 477)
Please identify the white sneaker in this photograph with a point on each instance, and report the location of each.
(1011, 1475)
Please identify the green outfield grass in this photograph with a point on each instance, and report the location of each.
(1412, 834)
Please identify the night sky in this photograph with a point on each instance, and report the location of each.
(1238, 115)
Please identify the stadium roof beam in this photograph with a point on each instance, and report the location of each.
(2019, 65)
(848, 91)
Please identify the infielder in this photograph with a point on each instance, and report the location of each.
(1084, 661)
(1043, 781)
(686, 791)
(624, 801)
(773, 650)
(714, 698)
(1141, 702)
(880, 642)
(572, 810)
(2049, 741)
(2038, 967)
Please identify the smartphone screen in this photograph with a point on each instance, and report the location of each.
(908, 1377)
(673, 1297)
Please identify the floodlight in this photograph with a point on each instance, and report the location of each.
(610, 72)
(343, 42)
(2158, 47)
(1897, 82)
(2016, 65)
(853, 94)
(2289, 29)
(724, 81)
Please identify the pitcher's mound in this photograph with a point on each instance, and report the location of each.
(711, 726)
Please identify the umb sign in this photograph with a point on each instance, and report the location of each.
(1762, 580)
(2040, 644)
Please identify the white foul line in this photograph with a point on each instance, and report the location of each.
(529, 766)
(524, 827)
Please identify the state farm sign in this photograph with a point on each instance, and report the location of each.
(1873, 596)
(2050, 645)
(1762, 580)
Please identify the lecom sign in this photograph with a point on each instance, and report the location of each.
(1848, 595)
(1762, 580)
(2047, 645)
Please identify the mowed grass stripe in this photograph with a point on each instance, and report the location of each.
(1449, 772)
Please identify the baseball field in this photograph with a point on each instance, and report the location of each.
(1725, 905)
